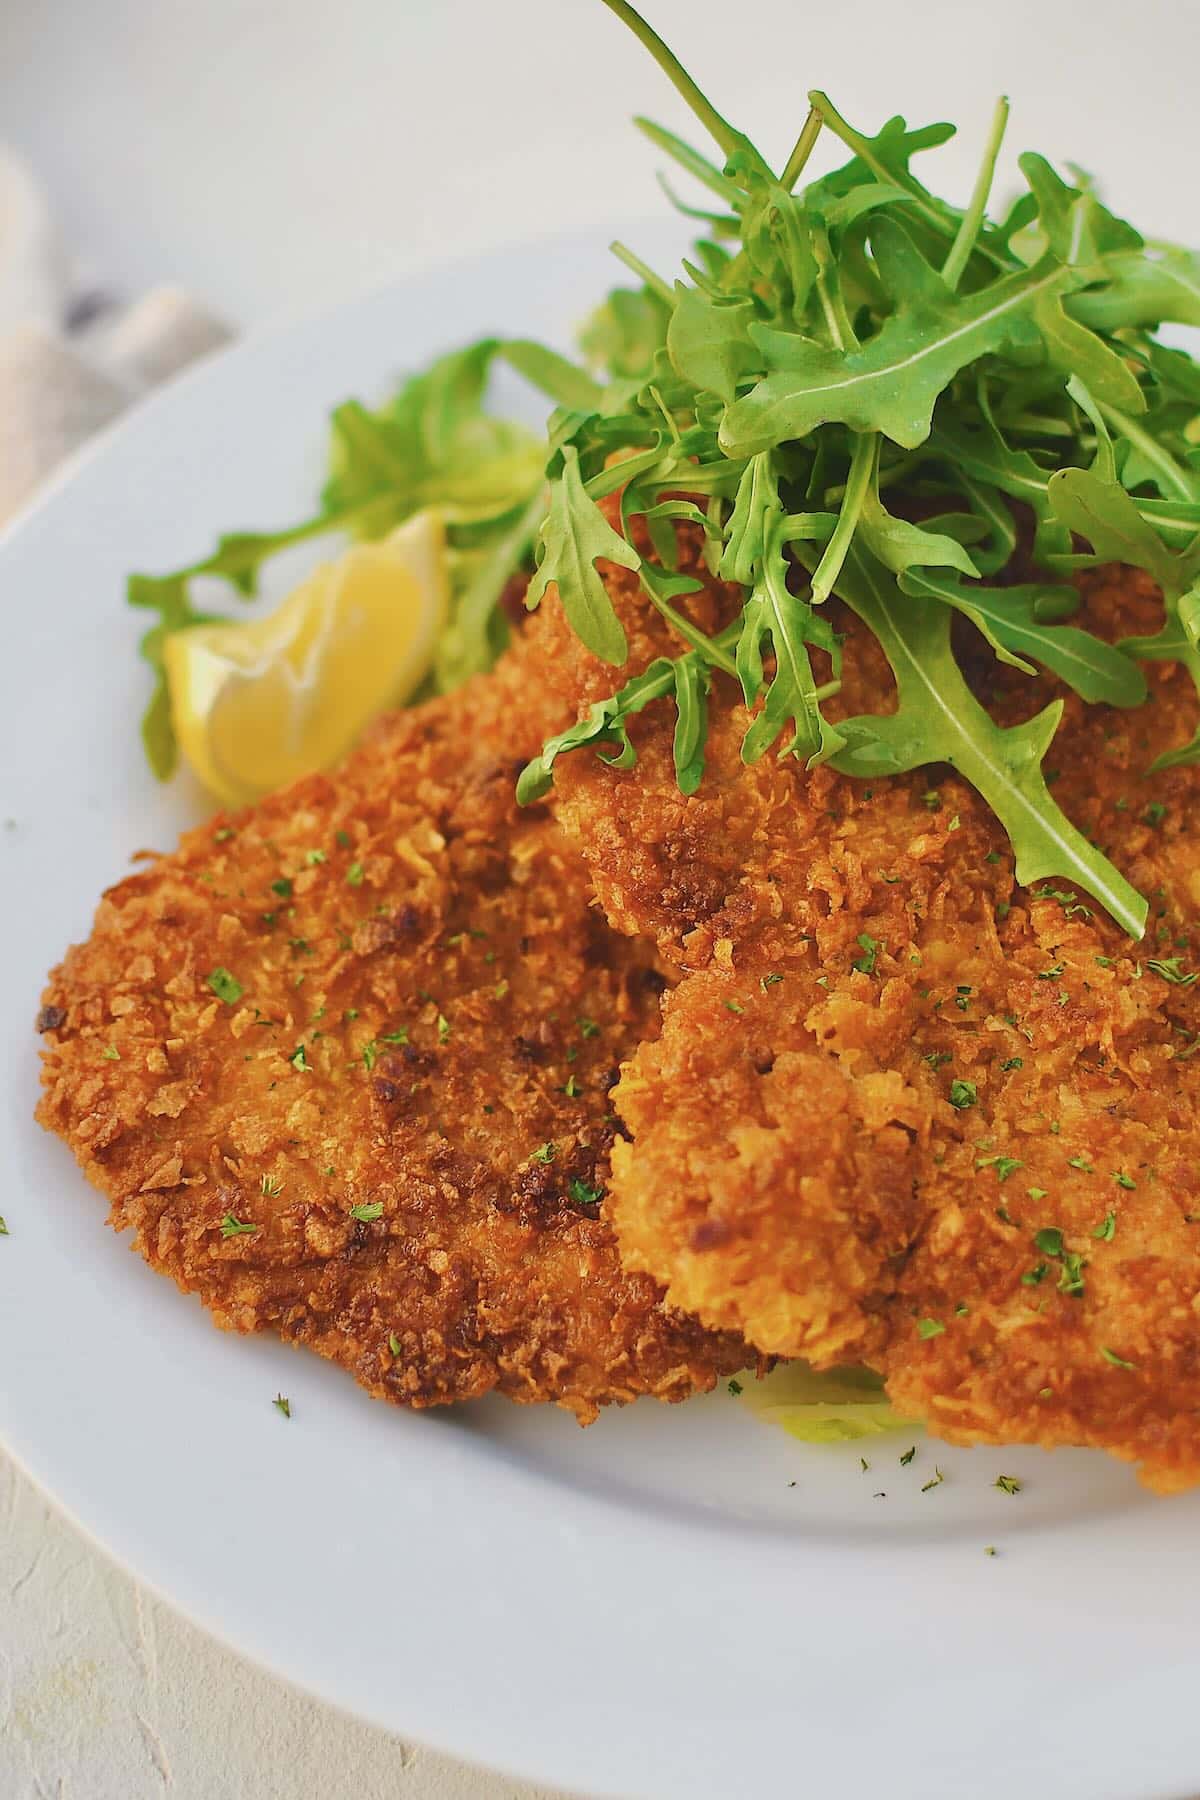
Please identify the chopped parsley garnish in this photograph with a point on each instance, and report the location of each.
(1049, 1240)
(4, 1231)
(443, 1029)
(1123, 1180)
(1035, 1276)
(588, 1027)
(735, 1388)
(1008, 1484)
(734, 1006)
(1012, 1062)
(769, 981)
(935, 1480)
(1171, 969)
(938, 1058)
(1003, 1165)
(298, 1059)
(1155, 813)
(582, 1194)
(283, 887)
(546, 1154)
(962, 997)
(1051, 974)
(571, 1087)
(394, 1344)
(1070, 1279)
(963, 1094)
(110, 1053)
(929, 1328)
(870, 947)
(1081, 1163)
(1107, 1230)
(342, 839)
(271, 1187)
(226, 986)
(370, 1053)
(354, 875)
(283, 1405)
(367, 1211)
(399, 1036)
(313, 857)
(1118, 1362)
(232, 1227)
(908, 1455)
(1037, 1193)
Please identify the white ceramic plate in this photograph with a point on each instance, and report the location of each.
(675, 1602)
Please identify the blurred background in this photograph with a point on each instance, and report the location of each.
(266, 160)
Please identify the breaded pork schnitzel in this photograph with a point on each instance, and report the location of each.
(342, 1062)
(903, 1110)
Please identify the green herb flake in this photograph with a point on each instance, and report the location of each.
(271, 1187)
(314, 857)
(929, 1328)
(394, 1344)
(908, 1455)
(1155, 813)
(4, 1231)
(110, 1053)
(225, 986)
(1012, 1062)
(769, 981)
(935, 1480)
(870, 947)
(283, 887)
(299, 1060)
(588, 1028)
(1035, 1276)
(232, 1227)
(1118, 1362)
(735, 1388)
(963, 1094)
(582, 1194)
(354, 875)
(1107, 1229)
(734, 1006)
(223, 833)
(1049, 1240)
(545, 1154)
(443, 1029)
(1003, 1165)
(1171, 970)
(1008, 1484)
(1037, 1193)
(282, 1405)
(1123, 1180)
(1081, 1163)
(367, 1211)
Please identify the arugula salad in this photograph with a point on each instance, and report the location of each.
(829, 345)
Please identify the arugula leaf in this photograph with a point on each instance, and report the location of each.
(575, 535)
(893, 382)
(938, 719)
(1008, 618)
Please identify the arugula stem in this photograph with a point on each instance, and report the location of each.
(709, 649)
(1155, 453)
(718, 128)
(642, 270)
(972, 219)
(862, 148)
(802, 149)
(862, 465)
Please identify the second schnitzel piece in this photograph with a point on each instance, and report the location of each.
(921, 1116)
(342, 1062)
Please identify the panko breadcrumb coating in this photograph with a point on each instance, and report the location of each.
(342, 1063)
(902, 1109)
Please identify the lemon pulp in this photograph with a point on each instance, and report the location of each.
(258, 703)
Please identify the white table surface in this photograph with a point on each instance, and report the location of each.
(272, 158)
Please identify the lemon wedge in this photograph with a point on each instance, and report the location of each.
(259, 703)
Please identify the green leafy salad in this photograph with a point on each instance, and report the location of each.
(828, 353)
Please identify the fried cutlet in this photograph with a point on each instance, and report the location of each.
(342, 1063)
(903, 1110)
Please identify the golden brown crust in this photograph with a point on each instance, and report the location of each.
(429, 1000)
(888, 1068)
